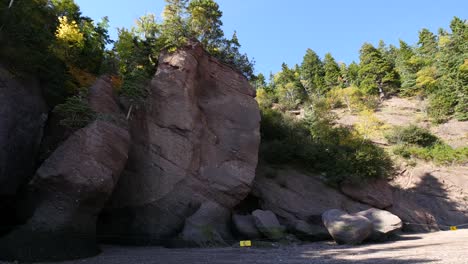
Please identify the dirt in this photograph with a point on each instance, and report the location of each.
(449, 247)
(405, 111)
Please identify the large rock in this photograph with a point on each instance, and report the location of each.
(431, 199)
(196, 140)
(310, 232)
(267, 223)
(23, 113)
(385, 224)
(208, 226)
(293, 195)
(377, 193)
(69, 190)
(346, 228)
(245, 226)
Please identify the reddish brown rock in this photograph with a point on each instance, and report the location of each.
(196, 140)
(102, 98)
(71, 187)
(346, 228)
(376, 193)
(23, 114)
(293, 195)
(431, 199)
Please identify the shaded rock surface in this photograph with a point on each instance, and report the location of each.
(245, 226)
(346, 228)
(69, 190)
(309, 232)
(385, 224)
(376, 193)
(293, 195)
(209, 226)
(23, 114)
(196, 140)
(431, 199)
(267, 223)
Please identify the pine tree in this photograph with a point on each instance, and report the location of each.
(332, 71)
(377, 74)
(205, 23)
(312, 73)
(174, 30)
(407, 66)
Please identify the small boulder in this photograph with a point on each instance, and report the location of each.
(245, 225)
(208, 227)
(308, 232)
(384, 223)
(268, 224)
(346, 228)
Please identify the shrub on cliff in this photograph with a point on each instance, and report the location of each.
(411, 135)
(338, 153)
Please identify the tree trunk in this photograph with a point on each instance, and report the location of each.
(129, 111)
(382, 94)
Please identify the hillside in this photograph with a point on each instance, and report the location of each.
(167, 137)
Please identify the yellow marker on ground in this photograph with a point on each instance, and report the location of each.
(246, 243)
(453, 228)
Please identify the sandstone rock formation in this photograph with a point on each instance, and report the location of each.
(196, 140)
(23, 113)
(208, 226)
(431, 199)
(70, 189)
(245, 226)
(308, 232)
(293, 195)
(377, 193)
(267, 223)
(346, 228)
(385, 224)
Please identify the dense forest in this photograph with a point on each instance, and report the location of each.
(67, 51)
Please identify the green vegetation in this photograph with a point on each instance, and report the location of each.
(52, 40)
(412, 135)
(440, 153)
(340, 154)
(416, 142)
(436, 68)
(75, 112)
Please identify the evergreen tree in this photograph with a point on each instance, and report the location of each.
(312, 73)
(205, 23)
(353, 74)
(377, 74)
(407, 66)
(332, 71)
(174, 30)
(451, 95)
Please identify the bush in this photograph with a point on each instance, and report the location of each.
(412, 135)
(439, 153)
(315, 144)
(75, 112)
(352, 98)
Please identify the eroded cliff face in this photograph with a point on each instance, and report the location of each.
(23, 113)
(195, 142)
(71, 187)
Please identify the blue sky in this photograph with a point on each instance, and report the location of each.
(277, 31)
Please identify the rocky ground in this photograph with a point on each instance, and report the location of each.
(449, 247)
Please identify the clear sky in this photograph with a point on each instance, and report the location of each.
(277, 31)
